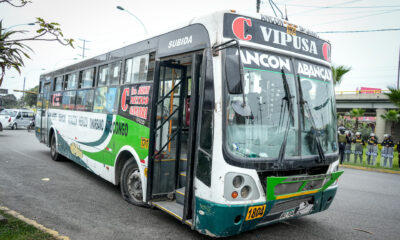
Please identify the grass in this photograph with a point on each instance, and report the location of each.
(378, 161)
(16, 229)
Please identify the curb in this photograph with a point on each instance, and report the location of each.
(37, 225)
(371, 169)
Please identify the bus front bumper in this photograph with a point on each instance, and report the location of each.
(220, 220)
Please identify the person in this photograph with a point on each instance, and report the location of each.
(398, 151)
(342, 143)
(358, 150)
(372, 149)
(387, 151)
(347, 150)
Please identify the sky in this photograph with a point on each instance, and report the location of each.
(372, 56)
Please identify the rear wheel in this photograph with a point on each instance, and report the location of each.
(53, 149)
(131, 183)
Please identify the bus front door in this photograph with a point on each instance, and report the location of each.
(44, 112)
(167, 125)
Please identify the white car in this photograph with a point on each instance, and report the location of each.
(5, 119)
(17, 118)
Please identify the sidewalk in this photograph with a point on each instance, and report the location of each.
(370, 169)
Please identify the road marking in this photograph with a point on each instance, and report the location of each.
(37, 225)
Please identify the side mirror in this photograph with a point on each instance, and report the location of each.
(234, 71)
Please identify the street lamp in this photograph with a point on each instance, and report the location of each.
(22, 24)
(123, 9)
(23, 88)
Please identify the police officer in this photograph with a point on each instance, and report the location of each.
(342, 143)
(347, 150)
(372, 149)
(387, 151)
(358, 150)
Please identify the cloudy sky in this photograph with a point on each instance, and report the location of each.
(373, 56)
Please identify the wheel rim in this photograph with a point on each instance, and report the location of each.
(135, 185)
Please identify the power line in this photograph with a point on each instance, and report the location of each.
(358, 17)
(331, 6)
(358, 31)
(335, 6)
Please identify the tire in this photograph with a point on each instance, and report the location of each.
(1, 127)
(14, 126)
(131, 183)
(53, 149)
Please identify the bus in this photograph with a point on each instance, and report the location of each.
(228, 123)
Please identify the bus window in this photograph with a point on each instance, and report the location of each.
(136, 69)
(106, 100)
(56, 100)
(87, 78)
(72, 81)
(58, 85)
(103, 75)
(84, 100)
(68, 100)
(115, 70)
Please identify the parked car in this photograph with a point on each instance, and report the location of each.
(17, 118)
(5, 119)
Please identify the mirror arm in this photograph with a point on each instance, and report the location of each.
(241, 69)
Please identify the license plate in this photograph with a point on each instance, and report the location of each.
(288, 213)
(255, 212)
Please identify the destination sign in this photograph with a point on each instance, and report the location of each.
(277, 34)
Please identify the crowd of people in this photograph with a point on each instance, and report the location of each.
(355, 145)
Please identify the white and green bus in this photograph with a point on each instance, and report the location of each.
(228, 123)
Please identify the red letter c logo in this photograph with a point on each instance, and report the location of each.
(238, 28)
(124, 106)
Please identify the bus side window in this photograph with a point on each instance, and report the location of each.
(106, 100)
(58, 83)
(136, 69)
(68, 100)
(87, 78)
(72, 81)
(84, 100)
(115, 72)
(103, 76)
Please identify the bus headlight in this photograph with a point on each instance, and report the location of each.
(240, 187)
(237, 181)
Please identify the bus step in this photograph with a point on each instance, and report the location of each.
(172, 208)
(182, 164)
(182, 179)
(180, 195)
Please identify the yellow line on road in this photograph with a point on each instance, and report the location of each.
(371, 169)
(37, 225)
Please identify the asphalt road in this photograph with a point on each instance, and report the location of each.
(81, 205)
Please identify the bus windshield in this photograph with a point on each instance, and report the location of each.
(261, 134)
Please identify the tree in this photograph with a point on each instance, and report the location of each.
(8, 101)
(391, 116)
(30, 97)
(394, 96)
(13, 50)
(356, 113)
(338, 72)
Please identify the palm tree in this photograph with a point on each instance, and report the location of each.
(338, 72)
(394, 96)
(11, 52)
(392, 116)
(356, 113)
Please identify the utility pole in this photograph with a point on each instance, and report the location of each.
(398, 72)
(258, 6)
(84, 48)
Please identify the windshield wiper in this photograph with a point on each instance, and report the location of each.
(304, 105)
(288, 97)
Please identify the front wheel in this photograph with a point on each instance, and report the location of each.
(53, 149)
(131, 183)
(14, 126)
